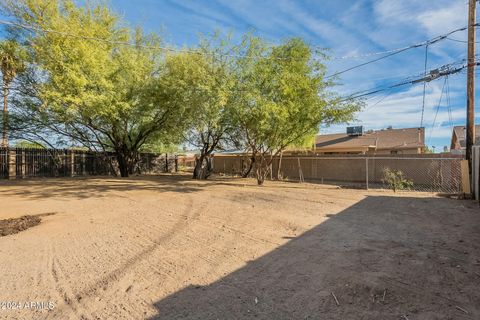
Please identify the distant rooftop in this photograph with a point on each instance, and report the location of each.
(459, 131)
(394, 139)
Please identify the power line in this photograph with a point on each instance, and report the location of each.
(433, 74)
(171, 49)
(450, 117)
(380, 100)
(369, 62)
(421, 44)
(366, 55)
(424, 85)
(438, 107)
(125, 43)
(457, 40)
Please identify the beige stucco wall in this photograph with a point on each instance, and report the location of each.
(421, 169)
(402, 151)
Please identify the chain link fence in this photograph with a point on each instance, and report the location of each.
(432, 173)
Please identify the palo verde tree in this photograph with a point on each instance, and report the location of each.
(98, 83)
(211, 97)
(284, 99)
(12, 62)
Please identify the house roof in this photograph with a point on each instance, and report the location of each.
(379, 139)
(459, 131)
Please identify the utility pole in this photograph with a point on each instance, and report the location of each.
(470, 135)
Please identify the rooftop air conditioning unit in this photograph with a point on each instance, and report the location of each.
(355, 131)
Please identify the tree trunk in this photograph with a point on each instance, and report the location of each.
(261, 174)
(198, 168)
(5, 117)
(132, 160)
(250, 166)
(122, 164)
(263, 168)
(203, 167)
(279, 171)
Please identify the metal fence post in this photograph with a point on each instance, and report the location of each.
(83, 164)
(148, 162)
(24, 164)
(12, 164)
(166, 162)
(72, 163)
(366, 172)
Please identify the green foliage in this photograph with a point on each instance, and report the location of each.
(284, 99)
(29, 144)
(395, 180)
(103, 94)
(428, 150)
(212, 97)
(12, 60)
(92, 89)
(160, 147)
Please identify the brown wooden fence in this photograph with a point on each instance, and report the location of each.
(29, 162)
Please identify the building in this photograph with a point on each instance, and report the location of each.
(385, 141)
(457, 144)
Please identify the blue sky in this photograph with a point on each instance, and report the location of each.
(347, 28)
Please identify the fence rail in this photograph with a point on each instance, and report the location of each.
(431, 173)
(29, 162)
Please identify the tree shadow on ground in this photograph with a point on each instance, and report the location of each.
(382, 258)
(88, 187)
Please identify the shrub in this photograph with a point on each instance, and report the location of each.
(396, 180)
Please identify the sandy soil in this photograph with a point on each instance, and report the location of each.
(170, 248)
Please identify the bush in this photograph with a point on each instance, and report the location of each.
(396, 180)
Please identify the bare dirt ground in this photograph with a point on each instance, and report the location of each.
(171, 248)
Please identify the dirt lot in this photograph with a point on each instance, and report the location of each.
(170, 248)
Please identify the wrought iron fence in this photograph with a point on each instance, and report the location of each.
(30, 162)
(3, 162)
(151, 163)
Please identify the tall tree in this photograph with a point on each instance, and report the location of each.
(12, 62)
(284, 99)
(212, 98)
(93, 86)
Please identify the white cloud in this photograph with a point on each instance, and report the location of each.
(445, 19)
(262, 16)
(403, 109)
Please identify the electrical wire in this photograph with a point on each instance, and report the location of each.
(380, 100)
(369, 62)
(438, 108)
(124, 43)
(449, 105)
(424, 86)
(421, 44)
(171, 49)
(462, 41)
(445, 70)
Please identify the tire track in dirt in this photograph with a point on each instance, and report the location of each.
(65, 293)
(226, 250)
(115, 275)
(191, 243)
